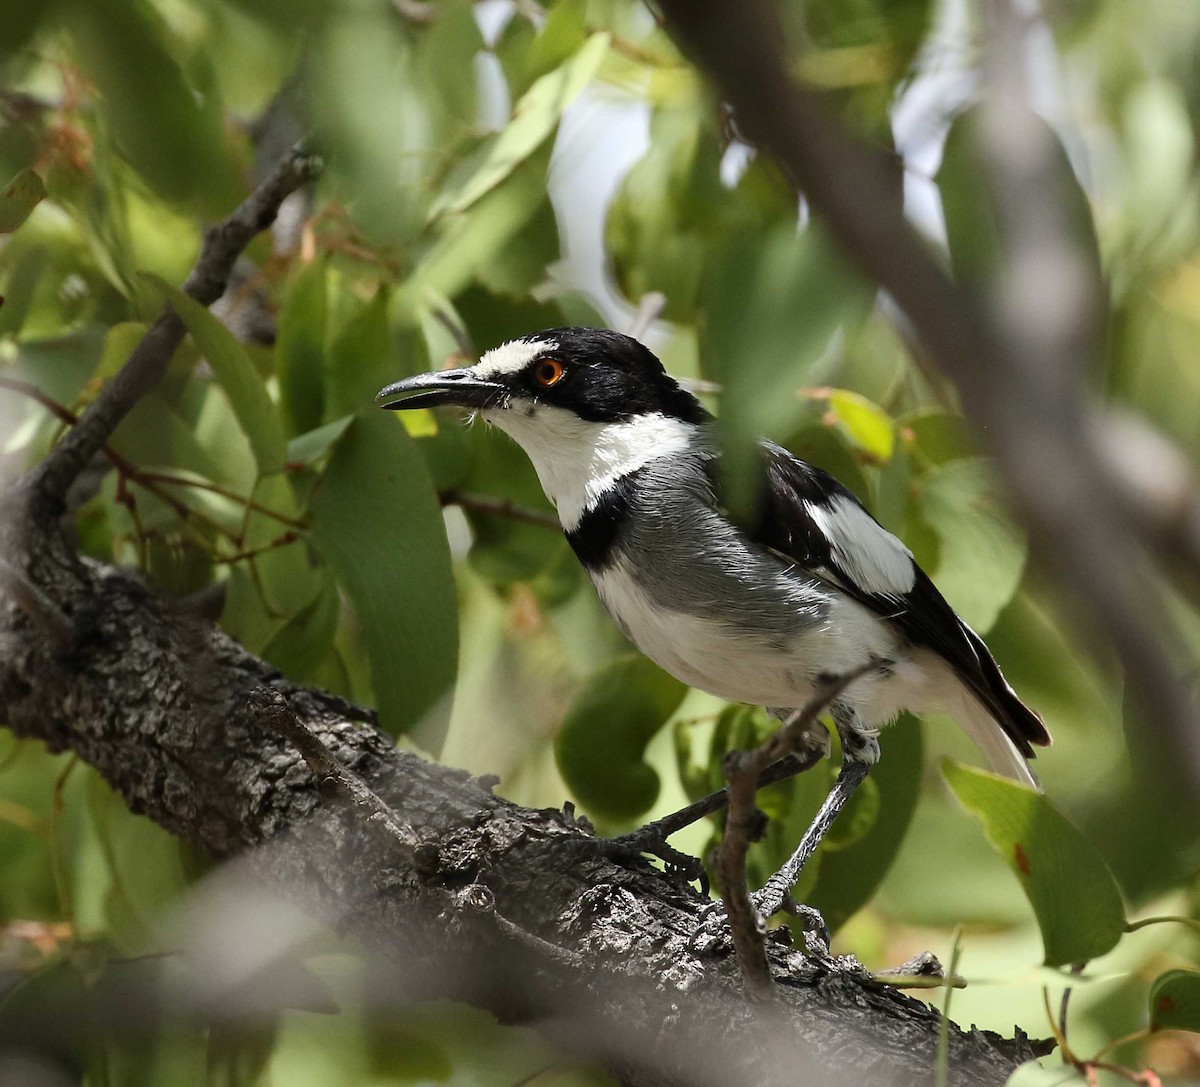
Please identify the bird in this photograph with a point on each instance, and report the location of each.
(767, 608)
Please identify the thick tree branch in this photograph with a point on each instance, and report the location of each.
(493, 905)
(223, 244)
(1035, 413)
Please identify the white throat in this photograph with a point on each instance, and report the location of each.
(576, 460)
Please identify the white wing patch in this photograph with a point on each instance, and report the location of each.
(877, 561)
(511, 357)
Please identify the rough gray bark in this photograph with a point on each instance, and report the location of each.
(500, 906)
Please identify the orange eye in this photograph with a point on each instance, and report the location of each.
(548, 372)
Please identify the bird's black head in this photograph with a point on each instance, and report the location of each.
(598, 375)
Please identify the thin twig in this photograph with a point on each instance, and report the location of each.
(223, 244)
(143, 476)
(28, 389)
(281, 540)
(649, 310)
(919, 981)
(146, 477)
(47, 616)
(1065, 1004)
(271, 708)
(745, 825)
(500, 507)
(1147, 1077)
(562, 955)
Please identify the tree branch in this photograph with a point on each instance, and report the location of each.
(499, 507)
(492, 905)
(223, 244)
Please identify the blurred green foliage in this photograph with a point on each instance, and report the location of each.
(379, 556)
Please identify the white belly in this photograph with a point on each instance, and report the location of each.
(739, 665)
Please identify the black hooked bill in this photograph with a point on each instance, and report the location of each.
(461, 388)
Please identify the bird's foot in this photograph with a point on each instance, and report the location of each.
(712, 933)
(650, 840)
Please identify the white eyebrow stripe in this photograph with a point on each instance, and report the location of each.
(512, 357)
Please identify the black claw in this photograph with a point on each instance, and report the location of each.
(814, 923)
(634, 845)
(713, 929)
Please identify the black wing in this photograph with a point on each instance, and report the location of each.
(809, 517)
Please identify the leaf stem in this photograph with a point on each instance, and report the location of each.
(942, 1072)
(1145, 922)
(1116, 1043)
(920, 981)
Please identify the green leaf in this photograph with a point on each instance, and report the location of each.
(61, 366)
(1074, 896)
(119, 344)
(145, 866)
(284, 572)
(505, 549)
(972, 230)
(534, 118)
(376, 520)
(969, 205)
(362, 358)
(1175, 1001)
(865, 422)
(300, 646)
(667, 213)
(237, 375)
(520, 266)
(603, 739)
(848, 877)
(18, 199)
(467, 242)
(939, 436)
(982, 551)
(312, 446)
(162, 126)
(245, 615)
(672, 210)
(23, 272)
(761, 344)
(155, 434)
(300, 348)
(563, 33)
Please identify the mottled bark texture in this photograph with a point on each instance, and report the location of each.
(500, 906)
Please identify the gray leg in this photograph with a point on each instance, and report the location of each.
(859, 753)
